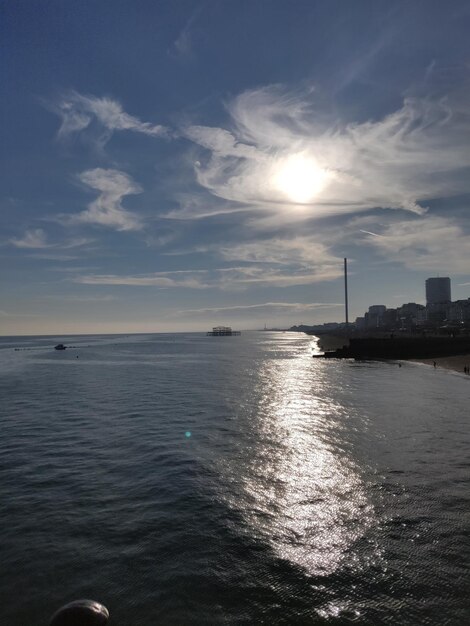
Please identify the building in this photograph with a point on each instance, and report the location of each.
(360, 323)
(437, 290)
(439, 314)
(377, 309)
(374, 316)
(459, 311)
(411, 314)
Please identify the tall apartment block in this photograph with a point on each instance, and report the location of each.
(437, 290)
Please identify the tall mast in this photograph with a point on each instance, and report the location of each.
(346, 290)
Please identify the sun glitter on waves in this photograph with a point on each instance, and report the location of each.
(300, 178)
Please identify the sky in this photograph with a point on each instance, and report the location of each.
(175, 165)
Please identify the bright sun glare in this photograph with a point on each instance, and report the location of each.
(300, 178)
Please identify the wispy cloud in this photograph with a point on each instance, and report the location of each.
(400, 161)
(54, 256)
(37, 239)
(78, 111)
(308, 251)
(107, 209)
(431, 243)
(189, 279)
(290, 307)
(71, 270)
(273, 262)
(81, 298)
(16, 314)
(256, 276)
(284, 261)
(228, 279)
(198, 206)
(162, 240)
(182, 44)
(182, 47)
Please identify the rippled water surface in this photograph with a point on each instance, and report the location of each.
(184, 479)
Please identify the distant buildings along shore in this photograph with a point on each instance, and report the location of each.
(439, 312)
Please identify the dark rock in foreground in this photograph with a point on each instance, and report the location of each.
(81, 613)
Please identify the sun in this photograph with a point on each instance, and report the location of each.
(300, 178)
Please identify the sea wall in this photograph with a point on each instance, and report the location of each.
(402, 348)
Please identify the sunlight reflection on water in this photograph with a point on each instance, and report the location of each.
(301, 492)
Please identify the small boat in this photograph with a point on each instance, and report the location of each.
(60, 346)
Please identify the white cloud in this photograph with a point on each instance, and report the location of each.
(400, 161)
(107, 209)
(78, 111)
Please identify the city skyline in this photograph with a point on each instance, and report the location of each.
(439, 310)
(176, 167)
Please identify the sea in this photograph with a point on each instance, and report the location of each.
(182, 479)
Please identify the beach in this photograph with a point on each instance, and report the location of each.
(455, 363)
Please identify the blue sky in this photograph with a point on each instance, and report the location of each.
(176, 165)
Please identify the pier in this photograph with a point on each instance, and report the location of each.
(223, 331)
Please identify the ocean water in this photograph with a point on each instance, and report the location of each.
(184, 479)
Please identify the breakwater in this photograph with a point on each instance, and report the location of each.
(401, 348)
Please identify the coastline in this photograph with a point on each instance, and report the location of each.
(454, 363)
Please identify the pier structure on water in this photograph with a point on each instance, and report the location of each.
(223, 331)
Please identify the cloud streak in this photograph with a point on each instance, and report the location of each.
(290, 307)
(36, 238)
(227, 279)
(186, 280)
